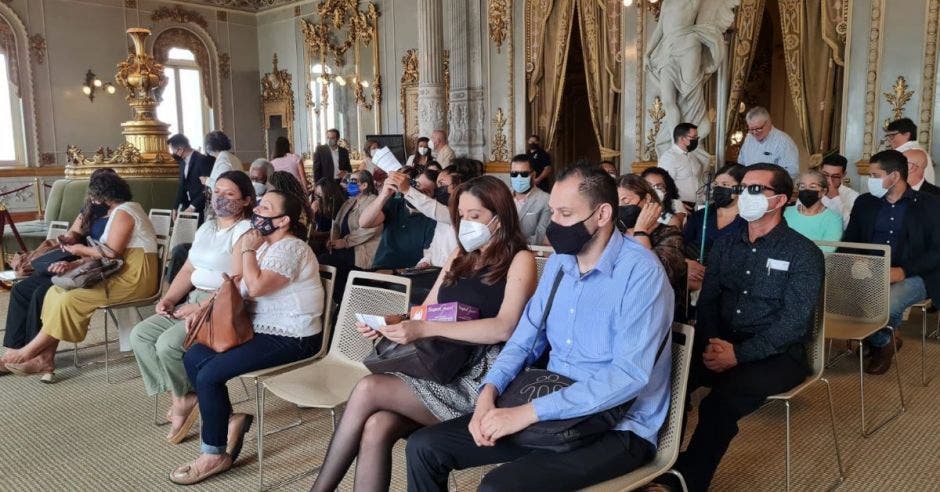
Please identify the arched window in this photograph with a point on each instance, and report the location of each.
(184, 105)
(12, 149)
(323, 96)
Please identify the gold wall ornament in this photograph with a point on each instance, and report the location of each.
(37, 48)
(131, 4)
(180, 15)
(408, 98)
(336, 15)
(499, 21)
(657, 112)
(409, 75)
(225, 65)
(500, 144)
(277, 103)
(928, 90)
(897, 98)
(143, 152)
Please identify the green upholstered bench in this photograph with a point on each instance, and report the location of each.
(67, 197)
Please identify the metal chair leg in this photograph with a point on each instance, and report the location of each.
(835, 437)
(259, 400)
(677, 474)
(923, 345)
(861, 386)
(786, 405)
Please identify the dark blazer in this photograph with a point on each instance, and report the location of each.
(920, 246)
(930, 189)
(323, 162)
(191, 190)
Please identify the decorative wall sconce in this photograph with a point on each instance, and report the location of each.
(93, 84)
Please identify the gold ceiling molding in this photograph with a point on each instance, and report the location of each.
(928, 91)
(897, 98)
(409, 76)
(500, 144)
(871, 86)
(179, 14)
(37, 48)
(335, 16)
(499, 21)
(177, 37)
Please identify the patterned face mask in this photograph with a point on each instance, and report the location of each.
(226, 207)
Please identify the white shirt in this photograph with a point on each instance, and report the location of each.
(295, 309)
(929, 173)
(186, 160)
(335, 154)
(686, 169)
(225, 161)
(778, 148)
(211, 253)
(842, 204)
(142, 236)
(442, 245)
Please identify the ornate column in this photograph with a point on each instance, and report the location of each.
(477, 109)
(459, 110)
(432, 113)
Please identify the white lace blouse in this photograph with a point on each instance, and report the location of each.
(295, 309)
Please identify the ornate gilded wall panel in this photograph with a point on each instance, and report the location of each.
(930, 70)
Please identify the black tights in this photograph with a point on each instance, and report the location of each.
(381, 410)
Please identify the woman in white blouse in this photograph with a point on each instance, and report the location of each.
(158, 340)
(218, 145)
(281, 284)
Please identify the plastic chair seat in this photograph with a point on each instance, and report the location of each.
(788, 395)
(848, 329)
(322, 384)
(641, 476)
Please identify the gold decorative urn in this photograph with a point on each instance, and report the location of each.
(144, 151)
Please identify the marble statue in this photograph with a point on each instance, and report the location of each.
(685, 49)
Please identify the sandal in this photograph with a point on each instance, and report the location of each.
(31, 367)
(236, 440)
(183, 430)
(188, 474)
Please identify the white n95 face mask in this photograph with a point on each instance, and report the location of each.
(752, 207)
(473, 235)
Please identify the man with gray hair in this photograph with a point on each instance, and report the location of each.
(442, 152)
(259, 172)
(765, 143)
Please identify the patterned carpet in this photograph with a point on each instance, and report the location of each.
(85, 434)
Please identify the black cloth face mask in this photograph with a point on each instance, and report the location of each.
(442, 195)
(569, 240)
(264, 225)
(722, 196)
(808, 197)
(627, 216)
(98, 209)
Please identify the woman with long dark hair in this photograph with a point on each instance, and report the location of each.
(284, 160)
(328, 199)
(422, 155)
(493, 271)
(664, 186)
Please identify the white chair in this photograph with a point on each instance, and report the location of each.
(327, 382)
(184, 229)
(57, 228)
(541, 257)
(670, 435)
(161, 219)
(924, 306)
(162, 252)
(857, 304)
(816, 355)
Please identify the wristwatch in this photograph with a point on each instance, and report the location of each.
(640, 233)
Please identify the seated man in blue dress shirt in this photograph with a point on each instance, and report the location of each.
(766, 143)
(611, 312)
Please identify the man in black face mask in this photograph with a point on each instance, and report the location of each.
(685, 165)
(541, 164)
(610, 313)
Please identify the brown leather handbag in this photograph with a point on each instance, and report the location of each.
(223, 323)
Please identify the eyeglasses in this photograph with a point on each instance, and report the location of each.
(519, 174)
(757, 129)
(813, 187)
(754, 189)
(890, 135)
(659, 186)
(353, 181)
(832, 177)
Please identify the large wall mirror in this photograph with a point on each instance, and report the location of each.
(344, 85)
(277, 100)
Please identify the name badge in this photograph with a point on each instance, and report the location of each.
(772, 264)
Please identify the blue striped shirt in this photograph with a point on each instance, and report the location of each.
(778, 148)
(604, 329)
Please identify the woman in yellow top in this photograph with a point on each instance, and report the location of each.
(67, 313)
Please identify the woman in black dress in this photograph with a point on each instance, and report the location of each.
(493, 271)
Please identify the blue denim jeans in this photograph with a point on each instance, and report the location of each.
(904, 294)
(209, 371)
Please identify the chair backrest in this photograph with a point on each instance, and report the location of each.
(161, 219)
(670, 435)
(816, 349)
(57, 228)
(366, 293)
(541, 258)
(184, 229)
(858, 283)
(328, 278)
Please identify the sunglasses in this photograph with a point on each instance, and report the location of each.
(353, 181)
(754, 189)
(518, 174)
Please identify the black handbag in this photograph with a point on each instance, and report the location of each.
(558, 435)
(434, 359)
